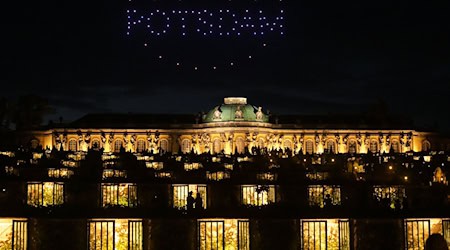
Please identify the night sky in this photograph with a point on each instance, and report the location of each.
(334, 57)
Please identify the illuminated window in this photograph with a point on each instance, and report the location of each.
(186, 146)
(417, 232)
(323, 196)
(446, 230)
(240, 145)
(261, 143)
(217, 176)
(217, 146)
(352, 147)
(325, 234)
(95, 144)
(115, 194)
(220, 234)
(140, 146)
(118, 145)
(395, 147)
(258, 195)
(181, 193)
(389, 196)
(287, 144)
(43, 194)
(331, 146)
(115, 234)
(373, 147)
(164, 145)
(426, 146)
(13, 234)
(73, 144)
(309, 146)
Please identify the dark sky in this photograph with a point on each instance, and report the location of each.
(335, 56)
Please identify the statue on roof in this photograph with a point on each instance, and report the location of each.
(217, 114)
(259, 114)
(238, 114)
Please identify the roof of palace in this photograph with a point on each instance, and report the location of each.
(226, 114)
(143, 121)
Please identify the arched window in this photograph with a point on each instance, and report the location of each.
(261, 143)
(240, 145)
(73, 145)
(395, 147)
(217, 146)
(34, 143)
(373, 147)
(95, 144)
(186, 146)
(287, 144)
(164, 144)
(352, 147)
(331, 146)
(309, 147)
(426, 146)
(118, 144)
(140, 146)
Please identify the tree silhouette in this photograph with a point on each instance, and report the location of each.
(29, 111)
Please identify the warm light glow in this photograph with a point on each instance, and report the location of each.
(115, 194)
(217, 176)
(114, 173)
(225, 234)
(258, 195)
(43, 194)
(322, 234)
(390, 167)
(192, 166)
(13, 228)
(181, 193)
(322, 196)
(59, 173)
(390, 196)
(115, 234)
(155, 165)
(418, 230)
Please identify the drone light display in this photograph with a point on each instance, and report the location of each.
(220, 22)
(152, 24)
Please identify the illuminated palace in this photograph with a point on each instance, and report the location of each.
(235, 177)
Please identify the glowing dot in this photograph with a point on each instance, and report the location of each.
(160, 57)
(178, 64)
(231, 64)
(250, 57)
(145, 44)
(264, 44)
(195, 68)
(214, 67)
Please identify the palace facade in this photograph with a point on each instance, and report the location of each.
(236, 177)
(234, 127)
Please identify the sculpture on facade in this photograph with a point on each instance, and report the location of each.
(259, 114)
(217, 114)
(238, 114)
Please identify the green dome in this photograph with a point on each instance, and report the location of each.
(236, 109)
